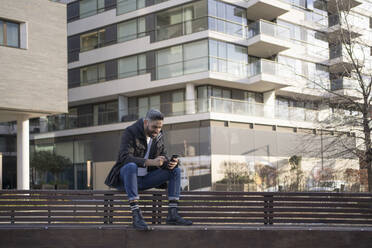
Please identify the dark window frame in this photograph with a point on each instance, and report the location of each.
(5, 21)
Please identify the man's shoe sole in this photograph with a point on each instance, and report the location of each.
(143, 228)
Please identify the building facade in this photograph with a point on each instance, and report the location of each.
(238, 81)
(33, 77)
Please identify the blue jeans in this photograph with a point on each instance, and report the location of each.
(131, 183)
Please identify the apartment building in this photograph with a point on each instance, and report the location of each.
(33, 78)
(238, 82)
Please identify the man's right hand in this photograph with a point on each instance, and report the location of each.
(158, 162)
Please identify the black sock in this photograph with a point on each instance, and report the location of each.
(133, 205)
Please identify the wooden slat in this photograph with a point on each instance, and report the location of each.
(108, 207)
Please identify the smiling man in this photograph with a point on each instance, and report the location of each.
(143, 164)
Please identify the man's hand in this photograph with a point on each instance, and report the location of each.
(172, 163)
(158, 162)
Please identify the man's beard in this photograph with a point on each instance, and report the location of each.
(149, 133)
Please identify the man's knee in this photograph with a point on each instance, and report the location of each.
(176, 171)
(129, 168)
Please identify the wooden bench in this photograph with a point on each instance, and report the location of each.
(108, 207)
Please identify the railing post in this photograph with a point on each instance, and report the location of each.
(271, 212)
(268, 206)
(1, 171)
(265, 220)
(108, 203)
(12, 217)
(156, 214)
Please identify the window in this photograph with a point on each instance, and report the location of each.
(132, 29)
(9, 33)
(93, 74)
(105, 113)
(91, 7)
(125, 6)
(169, 62)
(183, 20)
(226, 57)
(132, 66)
(195, 57)
(92, 40)
(127, 67)
(147, 103)
(178, 104)
(183, 59)
(226, 18)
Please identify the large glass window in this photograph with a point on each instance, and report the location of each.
(105, 113)
(132, 29)
(178, 104)
(125, 6)
(127, 67)
(127, 30)
(147, 103)
(182, 59)
(93, 74)
(92, 40)
(169, 62)
(183, 20)
(132, 66)
(9, 33)
(91, 7)
(226, 18)
(226, 57)
(195, 57)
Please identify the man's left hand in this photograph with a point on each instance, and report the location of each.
(172, 163)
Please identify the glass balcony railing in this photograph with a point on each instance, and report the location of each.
(182, 28)
(231, 106)
(261, 66)
(268, 28)
(264, 66)
(70, 121)
(212, 104)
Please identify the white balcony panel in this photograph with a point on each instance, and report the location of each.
(266, 9)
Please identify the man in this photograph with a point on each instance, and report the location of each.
(143, 164)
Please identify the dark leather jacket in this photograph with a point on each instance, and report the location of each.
(133, 148)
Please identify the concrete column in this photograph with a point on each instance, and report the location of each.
(123, 107)
(1, 171)
(190, 98)
(23, 154)
(269, 104)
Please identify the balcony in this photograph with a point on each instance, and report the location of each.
(345, 87)
(266, 39)
(266, 9)
(265, 75)
(341, 5)
(261, 75)
(343, 28)
(340, 61)
(246, 108)
(172, 109)
(71, 121)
